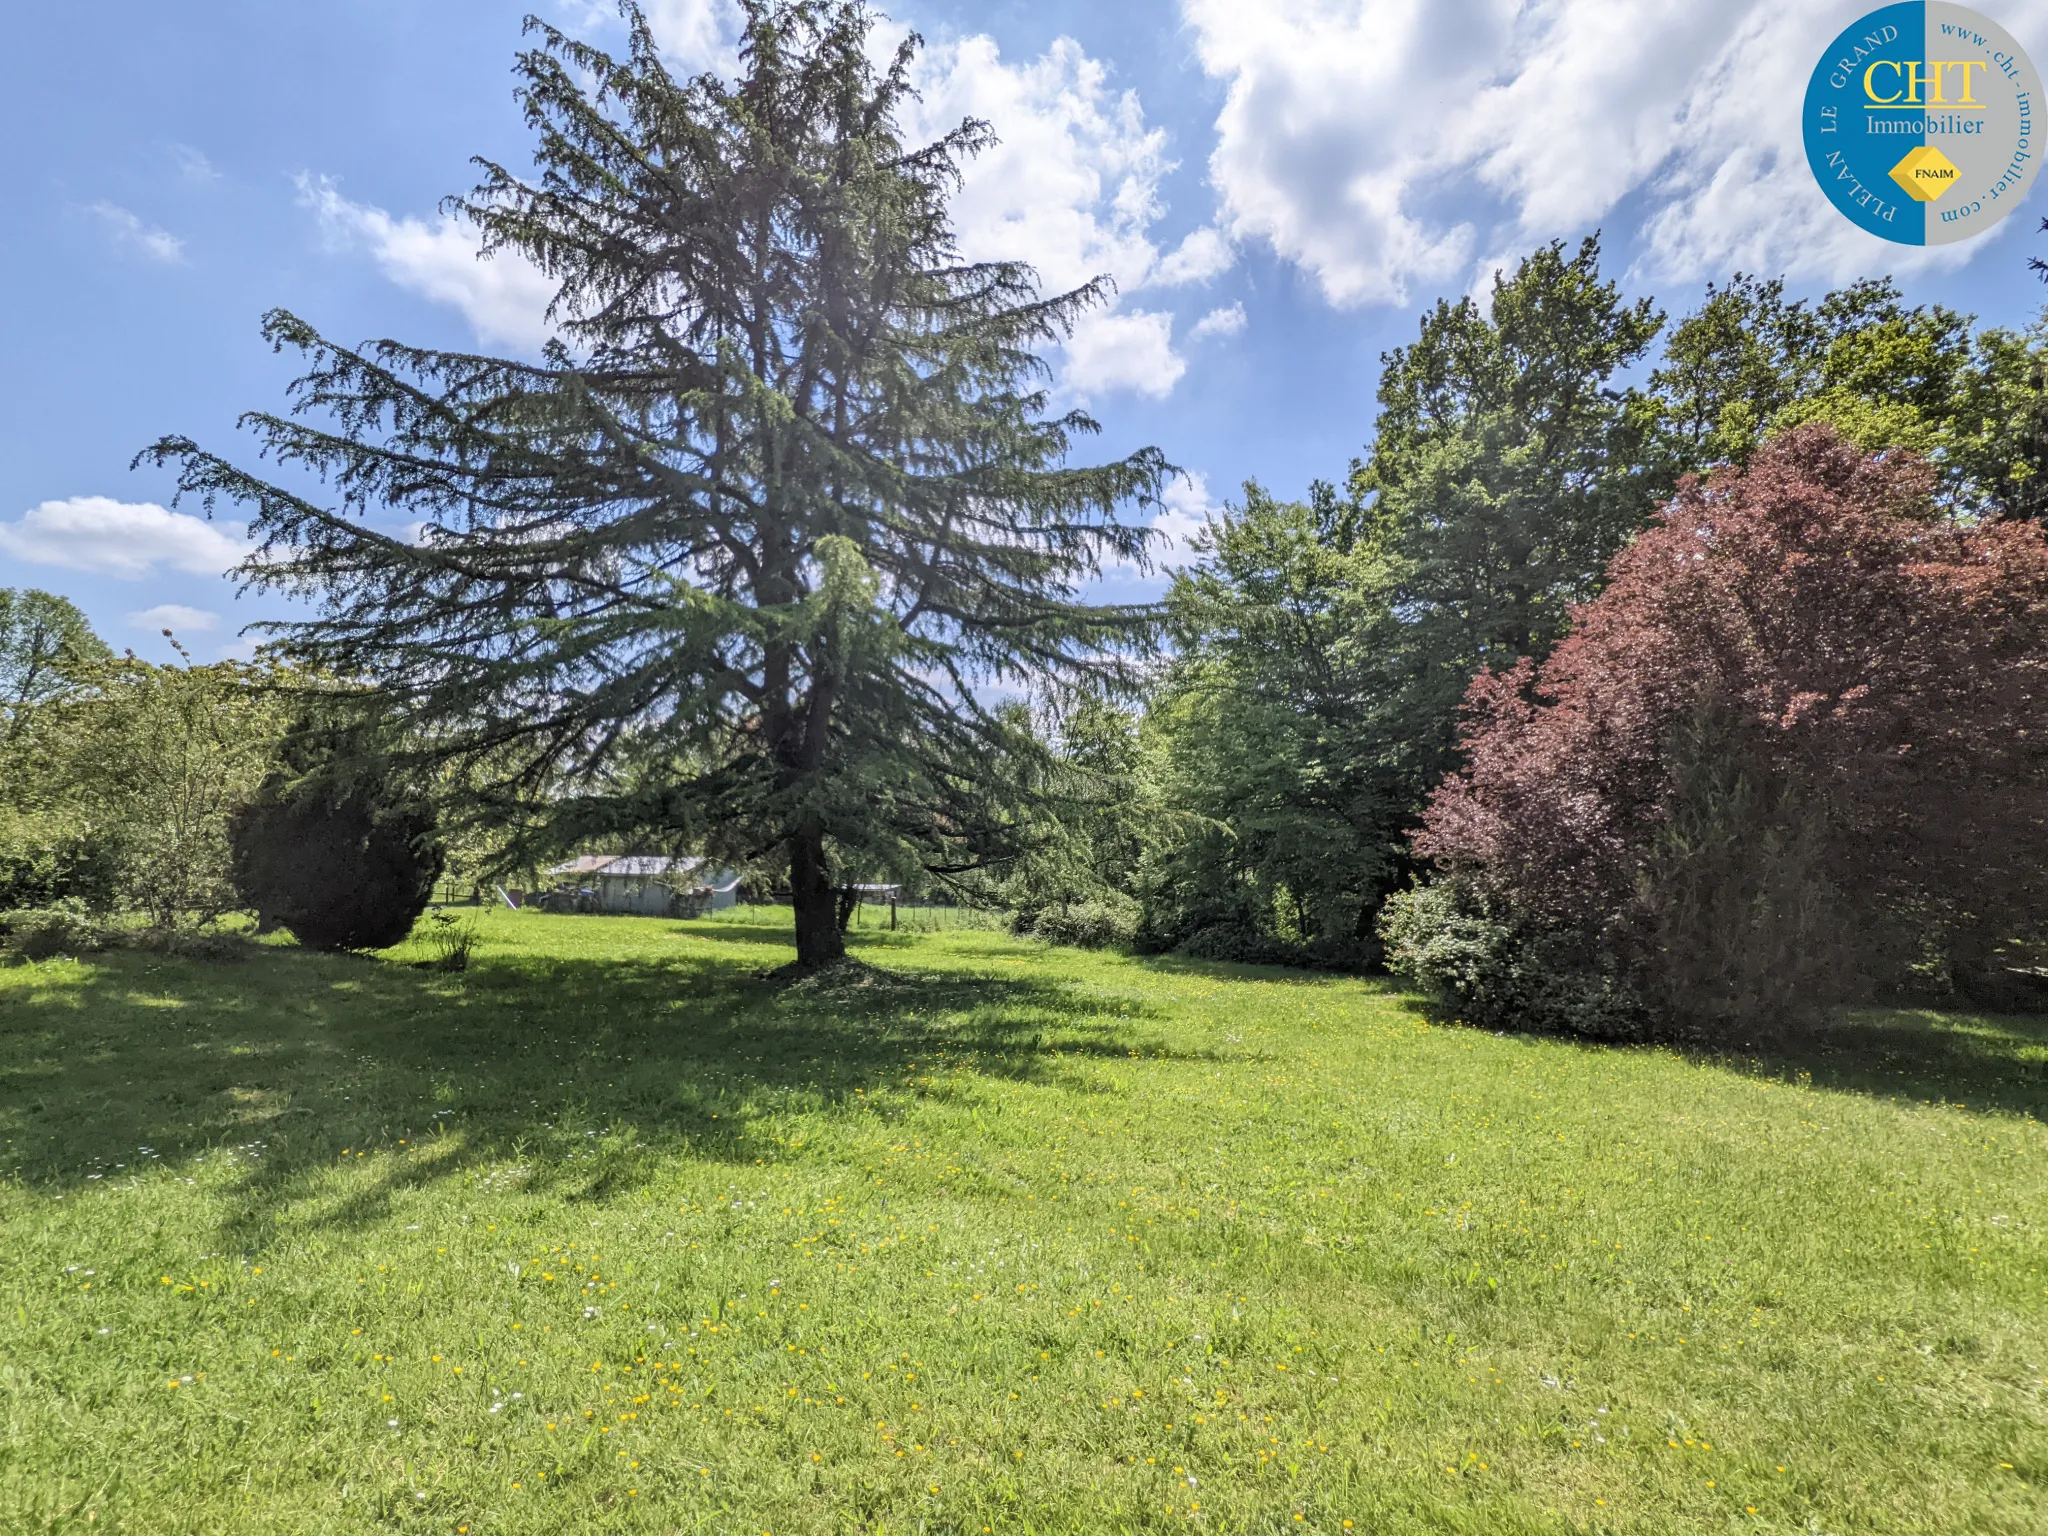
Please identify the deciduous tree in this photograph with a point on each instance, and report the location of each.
(45, 646)
(1749, 362)
(1805, 712)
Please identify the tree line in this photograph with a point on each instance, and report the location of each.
(781, 553)
(180, 795)
(1332, 658)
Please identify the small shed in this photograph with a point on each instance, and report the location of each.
(649, 885)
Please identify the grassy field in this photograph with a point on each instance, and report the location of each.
(608, 1234)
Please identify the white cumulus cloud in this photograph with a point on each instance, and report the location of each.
(1205, 253)
(124, 539)
(1118, 349)
(504, 298)
(128, 229)
(1228, 321)
(697, 35)
(1187, 512)
(177, 617)
(1382, 143)
(1073, 188)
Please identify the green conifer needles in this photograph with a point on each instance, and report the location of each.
(733, 559)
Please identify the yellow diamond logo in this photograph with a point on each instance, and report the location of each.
(1925, 173)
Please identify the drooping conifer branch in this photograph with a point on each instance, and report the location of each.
(735, 559)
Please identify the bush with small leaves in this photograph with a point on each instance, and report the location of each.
(44, 933)
(1109, 923)
(1446, 939)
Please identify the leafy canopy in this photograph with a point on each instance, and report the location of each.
(1803, 715)
(1750, 362)
(1506, 469)
(1271, 739)
(45, 646)
(1324, 645)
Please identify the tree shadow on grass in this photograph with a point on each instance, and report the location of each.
(1990, 1062)
(1994, 1062)
(1238, 970)
(734, 931)
(576, 1071)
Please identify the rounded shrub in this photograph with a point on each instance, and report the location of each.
(44, 862)
(341, 865)
(1447, 940)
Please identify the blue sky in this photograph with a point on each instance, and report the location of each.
(1278, 188)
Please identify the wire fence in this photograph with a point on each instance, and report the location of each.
(868, 916)
(913, 918)
(451, 892)
(902, 917)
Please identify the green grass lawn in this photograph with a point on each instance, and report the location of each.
(608, 1234)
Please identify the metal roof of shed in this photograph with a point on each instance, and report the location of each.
(635, 864)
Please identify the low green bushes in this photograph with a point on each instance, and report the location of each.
(68, 928)
(1449, 942)
(1109, 922)
(43, 933)
(1243, 944)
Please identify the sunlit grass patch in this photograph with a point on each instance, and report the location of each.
(605, 1233)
